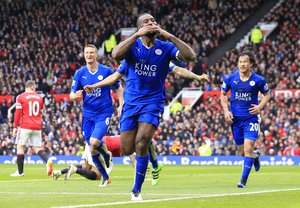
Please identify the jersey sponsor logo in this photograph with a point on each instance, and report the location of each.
(252, 83)
(243, 96)
(100, 77)
(95, 93)
(158, 52)
(143, 69)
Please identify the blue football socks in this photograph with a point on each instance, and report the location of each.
(248, 163)
(140, 172)
(103, 151)
(99, 165)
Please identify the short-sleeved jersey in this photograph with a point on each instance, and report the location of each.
(243, 94)
(31, 105)
(98, 102)
(145, 70)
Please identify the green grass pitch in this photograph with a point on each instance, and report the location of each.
(179, 187)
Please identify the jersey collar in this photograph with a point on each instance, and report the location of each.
(93, 72)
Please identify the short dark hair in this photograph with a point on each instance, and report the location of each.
(91, 46)
(29, 83)
(249, 53)
(138, 19)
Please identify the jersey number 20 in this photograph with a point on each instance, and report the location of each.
(254, 126)
(34, 108)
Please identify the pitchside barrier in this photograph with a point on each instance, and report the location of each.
(166, 160)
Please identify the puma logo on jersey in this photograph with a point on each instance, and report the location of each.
(138, 49)
(236, 82)
(84, 77)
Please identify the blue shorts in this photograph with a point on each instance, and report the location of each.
(133, 114)
(245, 129)
(95, 127)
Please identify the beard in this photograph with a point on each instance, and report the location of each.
(150, 34)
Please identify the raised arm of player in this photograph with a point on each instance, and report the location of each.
(107, 81)
(186, 53)
(225, 105)
(183, 72)
(122, 48)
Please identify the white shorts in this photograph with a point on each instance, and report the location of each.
(87, 155)
(31, 137)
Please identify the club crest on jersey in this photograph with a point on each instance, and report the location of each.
(100, 77)
(158, 52)
(252, 83)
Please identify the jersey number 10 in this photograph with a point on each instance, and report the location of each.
(34, 108)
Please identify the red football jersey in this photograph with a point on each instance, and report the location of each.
(29, 111)
(113, 144)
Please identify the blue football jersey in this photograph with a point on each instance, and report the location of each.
(145, 70)
(98, 102)
(243, 94)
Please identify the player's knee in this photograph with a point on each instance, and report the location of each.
(93, 150)
(142, 146)
(241, 153)
(127, 150)
(248, 151)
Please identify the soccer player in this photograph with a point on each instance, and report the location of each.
(97, 108)
(28, 116)
(89, 170)
(148, 62)
(244, 109)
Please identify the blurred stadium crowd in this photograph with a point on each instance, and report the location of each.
(43, 41)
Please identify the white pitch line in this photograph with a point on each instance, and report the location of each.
(80, 193)
(169, 175)
(176, 199)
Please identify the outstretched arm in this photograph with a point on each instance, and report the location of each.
(182, 72)
(107, 81)
(186, 53)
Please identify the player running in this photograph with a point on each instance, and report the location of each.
(244, 110)
(148, 62)
(88, 169)
(97, 108)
